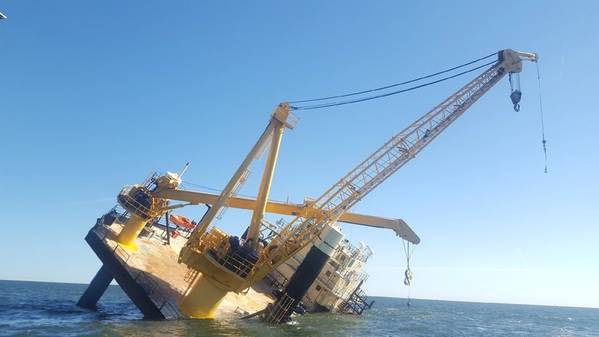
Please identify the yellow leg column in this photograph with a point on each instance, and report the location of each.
(129, 233)
(203, 299)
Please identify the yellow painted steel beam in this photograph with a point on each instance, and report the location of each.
(285, 208)
(265, 184)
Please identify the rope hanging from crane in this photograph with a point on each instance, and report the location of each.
(408, 274)
(368, 98)
(543, 140)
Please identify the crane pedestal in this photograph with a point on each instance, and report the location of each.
(226, 274)
(131, 231)
(203, 299)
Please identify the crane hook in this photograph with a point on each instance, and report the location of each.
(516, 95)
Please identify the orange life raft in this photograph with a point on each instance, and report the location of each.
(182, 221)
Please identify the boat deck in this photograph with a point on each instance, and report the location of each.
(154, 280)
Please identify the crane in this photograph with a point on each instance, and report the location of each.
(221, 264)
(379, 166)
(225, 265)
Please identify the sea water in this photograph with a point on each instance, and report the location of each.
(49, 309)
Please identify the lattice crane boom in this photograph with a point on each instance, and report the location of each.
(395, 153)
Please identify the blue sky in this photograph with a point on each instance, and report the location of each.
(97, 95)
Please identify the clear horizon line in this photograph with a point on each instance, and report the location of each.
(386, 296)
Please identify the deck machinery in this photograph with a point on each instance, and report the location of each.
(224, 263)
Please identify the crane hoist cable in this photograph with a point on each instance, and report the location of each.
(543, 140)
(408, 275)
(396, 84)
(368, 98)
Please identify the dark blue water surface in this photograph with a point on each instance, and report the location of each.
(48, 309)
